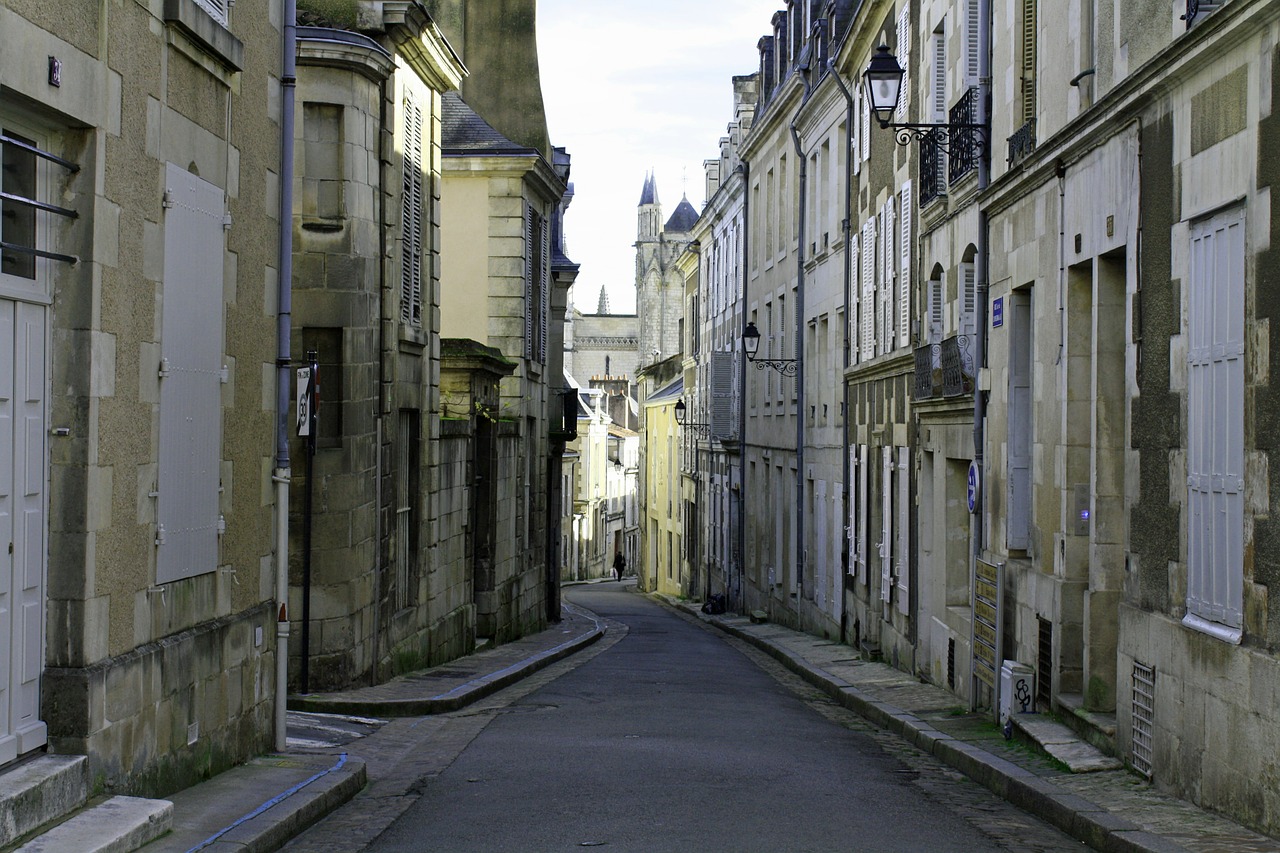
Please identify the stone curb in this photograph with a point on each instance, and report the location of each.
(452, 700)
(274, 827)
(1080, 818)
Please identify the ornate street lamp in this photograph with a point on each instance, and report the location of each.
(882, 82)
(702, 430)
(751, 345)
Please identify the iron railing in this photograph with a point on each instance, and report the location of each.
(945, 368)
(1022, 143)
(964, 150)
(932, 175)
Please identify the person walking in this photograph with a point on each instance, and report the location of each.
(619, 564)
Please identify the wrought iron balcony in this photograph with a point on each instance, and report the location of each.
(1196, 8)
(944, 369)
(1022, 143)
(964, 151)
(932, 169)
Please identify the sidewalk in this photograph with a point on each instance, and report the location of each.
(260, 805)
(1110, 810)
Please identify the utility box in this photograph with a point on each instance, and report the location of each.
(1017, 691)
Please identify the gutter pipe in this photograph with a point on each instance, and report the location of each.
(284, 321)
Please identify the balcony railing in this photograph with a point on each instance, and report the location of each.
(964, 154)
(1022, 143)
(945, 369)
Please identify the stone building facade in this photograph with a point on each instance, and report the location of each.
(137, 329)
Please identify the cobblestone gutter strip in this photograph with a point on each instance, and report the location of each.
(451, 700)
(1080, 818)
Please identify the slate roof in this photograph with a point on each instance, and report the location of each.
(682, 220)
(463, 132)
(671, 391)
(649, 195)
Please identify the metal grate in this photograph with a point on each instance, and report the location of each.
(951, 663)
(1044, 664)
(1144, 712)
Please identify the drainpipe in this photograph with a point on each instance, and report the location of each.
(742, 391)
(983, 274)
(284, 319)
(851, 322)
(799, 355)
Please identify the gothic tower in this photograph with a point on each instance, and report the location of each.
(659, 288)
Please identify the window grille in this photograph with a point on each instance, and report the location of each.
(1044, 664)
(20, 236)
(1144, 712)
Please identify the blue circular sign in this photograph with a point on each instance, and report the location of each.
(975, 483)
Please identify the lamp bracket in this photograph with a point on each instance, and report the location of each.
(945, 136)
(785, 366)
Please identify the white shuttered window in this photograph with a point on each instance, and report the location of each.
(1215, 419)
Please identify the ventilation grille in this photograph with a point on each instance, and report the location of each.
(1144, 705)
(1044, 664)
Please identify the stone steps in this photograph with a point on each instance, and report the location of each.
(44, 803)
(118, 825)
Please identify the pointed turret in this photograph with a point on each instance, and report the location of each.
(683, 218)
(603, 307)
(649, 214)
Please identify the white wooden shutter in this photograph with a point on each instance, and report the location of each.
(866, 126)
(904, 60)
(868, 288)
(902, 559)
(1215, 409)
(937, 291)
(191, 322)
(855, 138)
(820, 587)
(938, 101)
(968, 300)
(411, 264)
(904, 282)
(723, 370)
(1017, 534)
(890, 273)
(971, 59)
(861, 513)
(886, 524)
(544, 286)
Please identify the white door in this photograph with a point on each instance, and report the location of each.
(22, 525)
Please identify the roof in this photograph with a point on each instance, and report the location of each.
(683, 218)
(672, 391)
(462, 131)
(649, 195)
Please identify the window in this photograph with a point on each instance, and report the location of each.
(411, 220)
(1215, 421)
(972, 60)
(904, 60)
(18, 223)
(217, 9)
(536, 291)
(322, 167)
(408, 431)
(904, 281)
(1028, 80)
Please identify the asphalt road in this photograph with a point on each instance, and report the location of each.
(673, 737)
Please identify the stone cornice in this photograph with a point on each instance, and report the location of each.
(320, 46)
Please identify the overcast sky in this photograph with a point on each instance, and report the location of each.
(634, 85)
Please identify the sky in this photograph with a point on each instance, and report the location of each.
(632, 86)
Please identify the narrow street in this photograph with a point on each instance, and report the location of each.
(672, 737)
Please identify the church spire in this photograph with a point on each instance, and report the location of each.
(649, 215)
(603, 307)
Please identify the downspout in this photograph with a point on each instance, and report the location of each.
(799, 356)
(742, 391)
(982, 273)
(851, 322)
(379, 417)
(284, 320)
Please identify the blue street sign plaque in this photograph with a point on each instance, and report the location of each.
(975, 483)
(997, 312)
